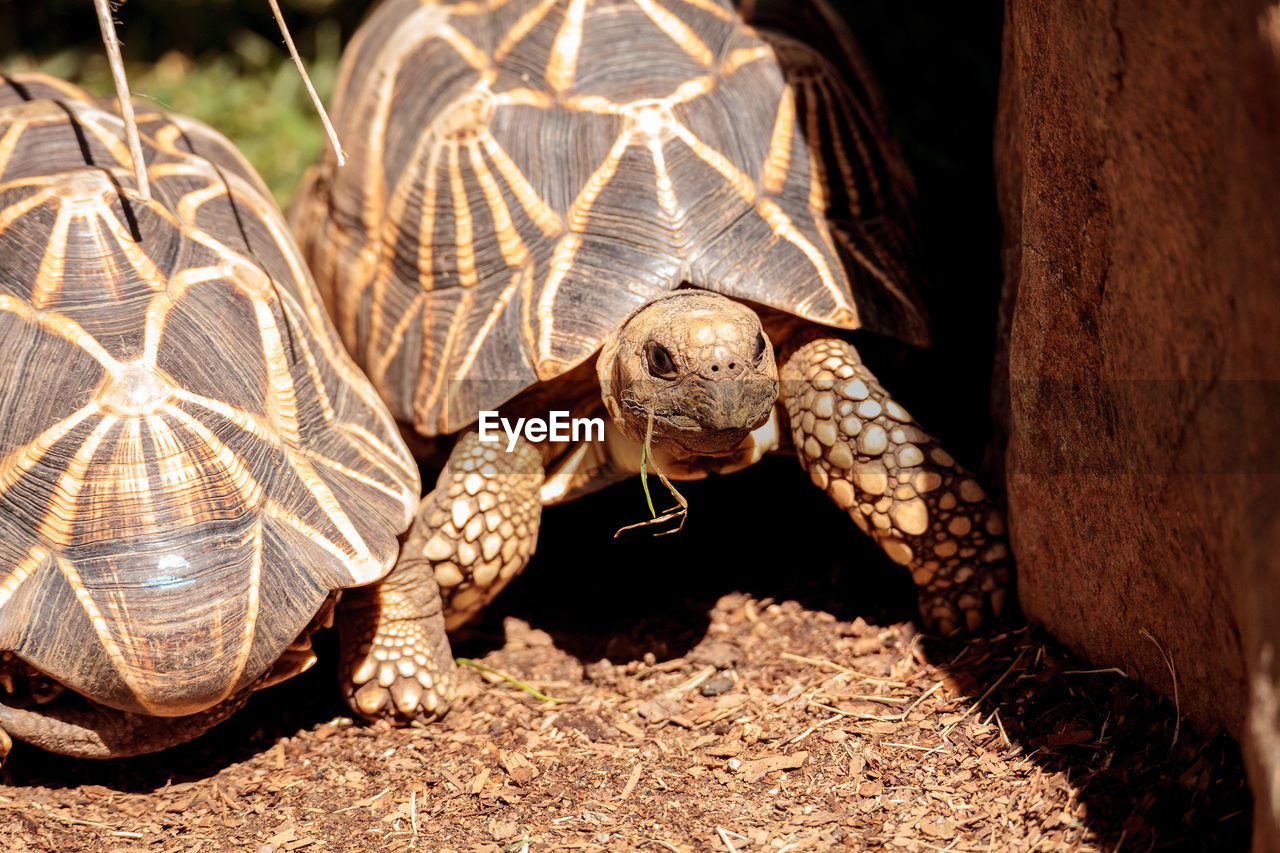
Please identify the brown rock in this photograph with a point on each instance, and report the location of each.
(717, 653)
(1138, 149)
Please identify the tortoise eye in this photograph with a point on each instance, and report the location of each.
(758, 351)
(661, 364)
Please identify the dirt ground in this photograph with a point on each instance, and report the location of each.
(746, 685)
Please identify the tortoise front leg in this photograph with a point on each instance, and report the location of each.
(481, 522)
(471, 535)
(897, 483)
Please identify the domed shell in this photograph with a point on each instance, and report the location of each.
(522, 177)
(189, 463)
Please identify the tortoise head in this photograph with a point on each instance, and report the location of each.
(699, 363)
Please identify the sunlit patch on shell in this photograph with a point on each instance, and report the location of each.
(165, 576)
(82, 193)
(136, 389)
(650, 119)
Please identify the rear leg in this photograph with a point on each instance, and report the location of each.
(471, 535)
(898, 484)
(397, 663)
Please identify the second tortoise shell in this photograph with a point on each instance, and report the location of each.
(524, 174)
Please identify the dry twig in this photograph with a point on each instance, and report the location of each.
(112, 44)
(306, 81)
(1173, 673)
(949, 729)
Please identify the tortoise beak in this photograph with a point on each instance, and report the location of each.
(721, 412)
(734, 404)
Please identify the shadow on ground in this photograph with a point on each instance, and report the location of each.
(1147, 781)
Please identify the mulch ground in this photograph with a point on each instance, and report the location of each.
(725, 689)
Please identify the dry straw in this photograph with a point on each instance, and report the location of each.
(680, 511)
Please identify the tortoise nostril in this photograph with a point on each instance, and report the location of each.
(729, 369)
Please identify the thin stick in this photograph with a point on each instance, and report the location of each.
(838, 715)
(112, 44)
(927, 749)
(413, 810)
(923, 696)
(1111, 669)
(815, 661)
(365, 802)
(1005, 735)
(306, 81)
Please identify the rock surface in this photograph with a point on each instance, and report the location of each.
(1138, 155)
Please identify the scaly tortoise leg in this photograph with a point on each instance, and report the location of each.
(480, 525)
(897, 484)
(78, 727)
(472, 534)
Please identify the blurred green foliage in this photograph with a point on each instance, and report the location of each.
(221, 61)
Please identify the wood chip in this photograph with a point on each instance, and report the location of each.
(629, 729)
(520, 769)
(631, 781)
(757, 768)
(512, 769)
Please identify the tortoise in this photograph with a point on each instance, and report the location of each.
(191, 467)
(670, 215)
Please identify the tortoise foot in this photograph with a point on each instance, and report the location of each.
(397, 664)
(898, 485)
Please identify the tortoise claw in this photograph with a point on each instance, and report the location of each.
(391, 681)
